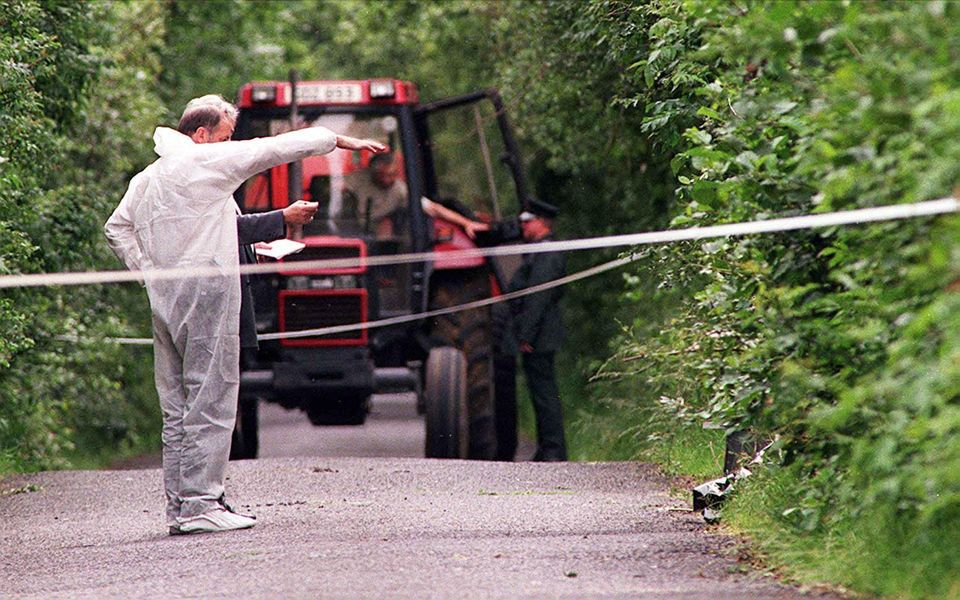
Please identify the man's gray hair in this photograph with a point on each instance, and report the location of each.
(205, 111)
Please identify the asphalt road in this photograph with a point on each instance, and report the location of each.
(367, 527)
(392, 429)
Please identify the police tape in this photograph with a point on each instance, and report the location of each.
(613, 264)
(401, 319)
(886, 213)
(816, 221)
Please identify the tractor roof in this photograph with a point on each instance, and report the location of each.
(371, 92)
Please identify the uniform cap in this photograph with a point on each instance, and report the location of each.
(539, 208)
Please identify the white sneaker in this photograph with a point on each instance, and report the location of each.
(218, 519)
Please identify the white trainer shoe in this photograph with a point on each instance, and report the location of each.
(218, 519)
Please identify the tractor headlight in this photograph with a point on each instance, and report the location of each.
(382, 89)
(327, 282)
(322, 283)
(346, 282)
(333, 282)
(263, 93)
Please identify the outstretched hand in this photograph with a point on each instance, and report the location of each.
(349, 143)
(473, 227)
(299, 213)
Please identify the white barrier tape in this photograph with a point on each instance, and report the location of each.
(134, 341)
(125, 341)
(613, 264)
(865, 215)
(406, 318)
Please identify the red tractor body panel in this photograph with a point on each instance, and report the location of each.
(318, 301)
(451, 237)
(327, 247)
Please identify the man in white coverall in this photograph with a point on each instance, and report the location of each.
(179, 212)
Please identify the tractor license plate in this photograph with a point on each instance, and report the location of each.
(329, 93)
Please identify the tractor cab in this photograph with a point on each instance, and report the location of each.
(457, 152)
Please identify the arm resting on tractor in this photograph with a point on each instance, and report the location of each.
(439, 211)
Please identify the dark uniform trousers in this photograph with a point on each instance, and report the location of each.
(505, 381)
(537, 322)
(542, 382)
(252, 228)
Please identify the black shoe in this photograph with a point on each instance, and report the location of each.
(549, 456)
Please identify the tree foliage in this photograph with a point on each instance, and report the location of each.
(839, 343)
(835, 342)
(69, 117)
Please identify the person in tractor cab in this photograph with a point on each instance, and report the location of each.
(381, 200)
(179, 213)
(380, 196)
(539, 330)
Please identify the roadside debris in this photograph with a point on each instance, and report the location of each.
(26, 489)
(709, 497)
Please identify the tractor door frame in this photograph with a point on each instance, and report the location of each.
(511, 156)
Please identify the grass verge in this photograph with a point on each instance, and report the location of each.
(885, 553)
(890, 554)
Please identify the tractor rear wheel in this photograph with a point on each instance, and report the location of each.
(445, 399)
(470, 332)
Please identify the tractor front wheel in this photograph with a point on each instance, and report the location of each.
(471, 332)
(445, 400)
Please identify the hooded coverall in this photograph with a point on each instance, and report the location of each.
(179, 212)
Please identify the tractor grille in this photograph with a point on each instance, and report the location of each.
(312, 309)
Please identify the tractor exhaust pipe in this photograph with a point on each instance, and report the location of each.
(294, 169)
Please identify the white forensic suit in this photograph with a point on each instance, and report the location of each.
(180, 212)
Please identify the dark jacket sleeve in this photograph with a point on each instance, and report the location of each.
(260, 227)
(546, 267)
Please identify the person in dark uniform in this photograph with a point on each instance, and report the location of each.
(253, 228)
(505, 380)
(539, 330)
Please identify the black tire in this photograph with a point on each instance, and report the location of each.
(246, 434)
(470, 332)
(445, 397)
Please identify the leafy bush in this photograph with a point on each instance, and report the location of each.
(64, 158)
(840, 343)
(837, 342)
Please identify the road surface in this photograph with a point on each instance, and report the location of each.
(392, 429)
(372, 527)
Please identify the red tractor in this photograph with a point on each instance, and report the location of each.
(459, 152)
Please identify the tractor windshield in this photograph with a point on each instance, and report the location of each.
(360, 195)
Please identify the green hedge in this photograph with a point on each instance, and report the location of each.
(837, 343)
(70, 118)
